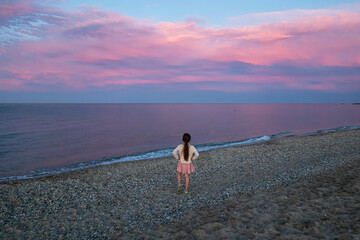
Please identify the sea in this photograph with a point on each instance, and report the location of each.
(45, 139)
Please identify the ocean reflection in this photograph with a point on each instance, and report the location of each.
(50, 136)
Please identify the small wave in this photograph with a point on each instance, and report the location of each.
(9, 135)
(159, 153)
(330, 130)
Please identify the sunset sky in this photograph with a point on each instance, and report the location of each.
(179, 51)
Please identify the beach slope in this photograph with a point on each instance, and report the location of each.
(284, 188)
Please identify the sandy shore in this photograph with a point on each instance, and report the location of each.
(298, 187)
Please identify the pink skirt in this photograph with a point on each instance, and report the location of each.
(185, 167)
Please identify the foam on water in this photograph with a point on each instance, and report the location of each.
(158, 153)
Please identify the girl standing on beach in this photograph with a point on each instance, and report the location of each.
(185, 153)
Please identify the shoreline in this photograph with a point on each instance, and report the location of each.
(119, 159)
(134, 199)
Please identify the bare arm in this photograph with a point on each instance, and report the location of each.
(175, 153)
(196, 154)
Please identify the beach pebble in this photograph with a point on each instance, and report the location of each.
(200, 234)
(283, 189)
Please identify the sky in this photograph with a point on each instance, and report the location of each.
(179, 51)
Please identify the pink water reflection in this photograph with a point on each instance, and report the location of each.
(34, 136)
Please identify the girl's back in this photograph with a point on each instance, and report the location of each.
(192, 151)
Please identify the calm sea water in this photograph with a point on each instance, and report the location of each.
(41, 139)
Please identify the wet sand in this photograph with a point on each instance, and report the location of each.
(290, 188)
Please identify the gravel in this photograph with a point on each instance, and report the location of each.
(140, 199)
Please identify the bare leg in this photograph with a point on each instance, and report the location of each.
(179, 177)
(186, 181)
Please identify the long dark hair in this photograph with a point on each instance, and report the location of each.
(186, 139)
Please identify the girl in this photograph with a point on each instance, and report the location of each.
(185, 153)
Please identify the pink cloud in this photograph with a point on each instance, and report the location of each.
(15, 8)
(305, 41)
(283, 16)
(94, 48)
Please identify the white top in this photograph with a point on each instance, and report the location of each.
(192, 151)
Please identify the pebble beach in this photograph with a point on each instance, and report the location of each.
(304, 187)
